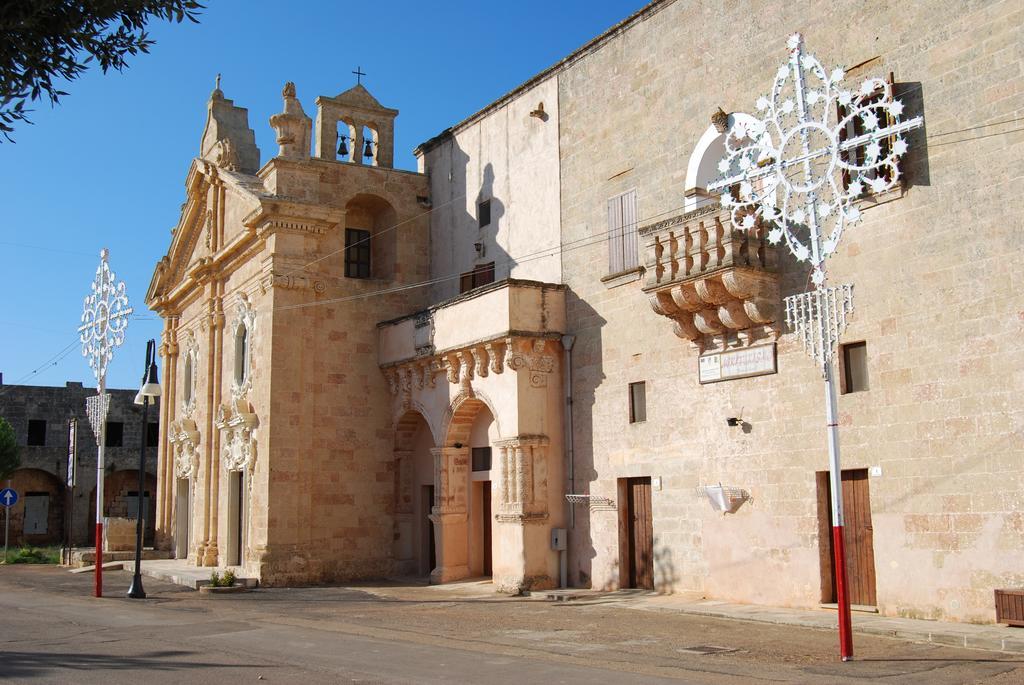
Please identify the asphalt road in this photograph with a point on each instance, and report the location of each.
(53, 631)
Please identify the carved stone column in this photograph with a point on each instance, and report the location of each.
(523, 555)
(449, 513)
(164, 464)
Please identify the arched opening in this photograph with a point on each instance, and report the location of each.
(415, 544)
(370, 241)
(38, 516)
(369, 151)
(241, 354)
(702, 168)
(346, 142)
(189, 379)
(463, 470)
(121, 500)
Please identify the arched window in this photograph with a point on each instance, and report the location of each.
(189, 379)
(241, 354)
(702, 168)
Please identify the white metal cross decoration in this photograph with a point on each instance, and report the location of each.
(104, 319)
(816, 148)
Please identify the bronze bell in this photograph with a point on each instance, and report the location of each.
(342, 147)
(368, 149)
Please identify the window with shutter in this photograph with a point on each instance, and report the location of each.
(622, 233)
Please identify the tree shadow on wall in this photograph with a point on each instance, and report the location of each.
(469, 229)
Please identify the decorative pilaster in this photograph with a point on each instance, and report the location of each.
(523, 489)
(449, 513)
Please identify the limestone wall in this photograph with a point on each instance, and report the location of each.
(936, 289)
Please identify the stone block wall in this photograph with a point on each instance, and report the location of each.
(935, 299)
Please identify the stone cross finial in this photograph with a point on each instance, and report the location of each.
(359, 74)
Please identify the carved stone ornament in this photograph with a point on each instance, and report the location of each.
(534, 358)
(236, 422)
(245, 316)
(225, 156)
(478, 361)
(189, 362)
(184, 439)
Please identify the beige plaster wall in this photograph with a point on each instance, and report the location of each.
(512, 159)
(936, 300)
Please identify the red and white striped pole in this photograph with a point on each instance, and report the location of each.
(100, 445)
(836, 491)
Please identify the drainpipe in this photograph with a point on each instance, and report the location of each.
(567, 343)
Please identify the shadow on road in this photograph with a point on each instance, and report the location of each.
(33, 664)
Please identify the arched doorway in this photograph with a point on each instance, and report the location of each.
(121, 499)
(415, 546)
(462, 514)
(38, 517)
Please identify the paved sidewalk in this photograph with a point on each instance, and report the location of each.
(996, 638)
(180, 573)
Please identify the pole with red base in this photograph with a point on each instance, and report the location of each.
(101, 440)
(836, 491)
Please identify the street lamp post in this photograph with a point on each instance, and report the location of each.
(104, 319)
(150, 388)
(800, 169)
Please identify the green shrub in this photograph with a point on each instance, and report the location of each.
(36, 555)
(226, 579)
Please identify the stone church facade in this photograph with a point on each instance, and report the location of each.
(372, 371)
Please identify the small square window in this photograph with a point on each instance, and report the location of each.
(36, 432)
(483, 213)
(854, 367)
(638, 402)
(481, 458)
(152, 434)
(115, 434)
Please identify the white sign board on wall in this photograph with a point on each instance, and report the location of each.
(749, 361)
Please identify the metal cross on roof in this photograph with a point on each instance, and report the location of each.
(359, 74)
(813, 152)
(104, 319)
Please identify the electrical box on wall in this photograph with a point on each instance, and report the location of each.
(558, 539)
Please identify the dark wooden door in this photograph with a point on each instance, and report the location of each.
(486, 512)
(636, 533)
(858, 538)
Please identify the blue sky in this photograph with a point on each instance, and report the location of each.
(107, 166)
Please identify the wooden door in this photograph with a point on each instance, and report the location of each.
(485, 510)
(857, 538)
(636, 534)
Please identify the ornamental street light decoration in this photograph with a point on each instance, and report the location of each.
(798, 170)
(104, 319)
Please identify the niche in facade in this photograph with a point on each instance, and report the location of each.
(371, 242)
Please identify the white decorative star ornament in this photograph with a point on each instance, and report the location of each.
(790, 164)
(104, 319)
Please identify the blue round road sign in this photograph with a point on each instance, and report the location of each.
(8, 497)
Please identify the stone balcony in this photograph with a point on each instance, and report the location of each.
(718, 284)
(508, 324)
